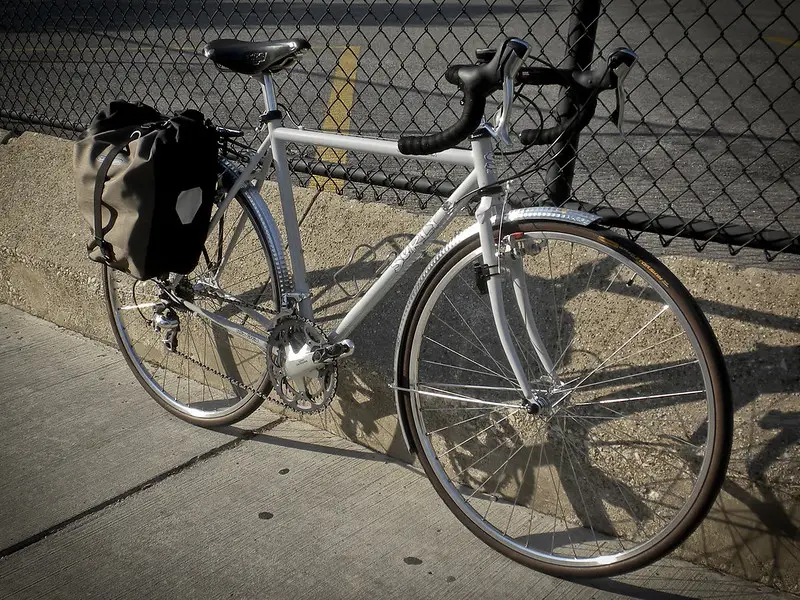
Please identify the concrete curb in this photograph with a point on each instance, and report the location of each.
(752, 533)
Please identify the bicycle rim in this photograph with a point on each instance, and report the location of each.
(209, 394)
(628, 460)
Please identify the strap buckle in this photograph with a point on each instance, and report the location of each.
(106, 251)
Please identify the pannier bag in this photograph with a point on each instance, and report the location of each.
(146, 185)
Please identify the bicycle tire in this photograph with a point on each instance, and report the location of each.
(624, 483)
(254, 274)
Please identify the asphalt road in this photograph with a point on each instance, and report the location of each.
(713, 118)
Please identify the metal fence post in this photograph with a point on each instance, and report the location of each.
(580, 49)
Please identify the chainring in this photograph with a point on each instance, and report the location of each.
(310, 392)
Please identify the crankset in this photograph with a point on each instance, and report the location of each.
(302, 364)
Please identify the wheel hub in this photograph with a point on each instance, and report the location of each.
(546, 404)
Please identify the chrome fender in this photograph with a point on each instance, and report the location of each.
(262, 213)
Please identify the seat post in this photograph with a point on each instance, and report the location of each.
(269, 93)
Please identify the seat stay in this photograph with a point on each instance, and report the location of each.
(241, 181)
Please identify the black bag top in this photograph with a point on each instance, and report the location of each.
(121, 114)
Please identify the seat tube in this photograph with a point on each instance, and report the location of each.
(274, 118)
(483, 157)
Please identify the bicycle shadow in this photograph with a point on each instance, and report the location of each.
(336, 289)
(759, 481)
(763, 444)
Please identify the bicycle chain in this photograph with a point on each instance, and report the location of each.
(233, 380)
(228, 378)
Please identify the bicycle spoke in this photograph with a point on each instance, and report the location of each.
(558, 505)
(577, 317)
(520, 347)
(677, 465)
(553, 289)
(639, 374)
(637, 398)
(476, 461)
(580, 489)
(469, 439)
(451, 408)
(625, 344)
(460, 398)
(499, 366)
(458, 368)
(467, 420)
(622, 494)
(519, 491)
(475, 387)
(472, 331)
(446, 347)
(616, 457)
(503, 468)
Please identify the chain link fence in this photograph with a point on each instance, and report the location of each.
(713, 119)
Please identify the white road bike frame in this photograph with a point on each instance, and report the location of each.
(479, 159)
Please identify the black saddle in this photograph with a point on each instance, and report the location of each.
(255, 58)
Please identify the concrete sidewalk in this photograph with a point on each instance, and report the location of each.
(104, 494)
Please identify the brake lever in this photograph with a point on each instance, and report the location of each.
(514, 52)
(503, 115)
(620, 64)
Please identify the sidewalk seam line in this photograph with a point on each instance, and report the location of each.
(37, 537)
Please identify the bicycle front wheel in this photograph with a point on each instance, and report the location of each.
(630, 453)
(197, 370)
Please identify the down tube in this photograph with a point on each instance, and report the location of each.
(405, 259)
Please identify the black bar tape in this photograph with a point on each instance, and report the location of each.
(477, 82)
(542, 137)
(437, 142)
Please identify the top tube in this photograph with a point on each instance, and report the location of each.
(355, 143)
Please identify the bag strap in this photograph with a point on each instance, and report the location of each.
(99, 184)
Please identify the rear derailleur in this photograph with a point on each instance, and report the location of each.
(166, 322)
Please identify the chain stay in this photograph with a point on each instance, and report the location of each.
(209, 292)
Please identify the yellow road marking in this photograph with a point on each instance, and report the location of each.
(784, 41)
(338, 118)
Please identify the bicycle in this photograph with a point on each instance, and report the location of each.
(562, 390)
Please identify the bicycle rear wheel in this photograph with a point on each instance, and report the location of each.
(199, 380)
(629, 458)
